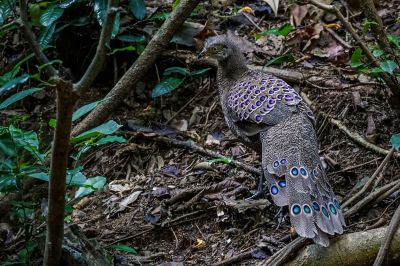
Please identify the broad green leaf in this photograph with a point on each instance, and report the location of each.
(355, 60)
(129, 48)
(81, 111)
(100, 9)
(18, 96)
(225, 160)
(395, 39)
(90, 185)
(104, 129)
(8, 183)
(13, 82)
(395, 141)
(199, 72)
(27, 140)
(7, 146)
(160, 15)
(175, 3)
(124, 248)
(179, 70)
(78, 179)
(6, 6)
(283, 30)
(366, 24)
(280, 60)
(166, 86)
(132, 38)
(52, 122)
(109, 139)
(46, 35)
(138, 8)
(50, 15)
(388, 66)
(67, 3)
(40, 176)
(378, 52)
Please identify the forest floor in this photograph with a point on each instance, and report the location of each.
(211, 220)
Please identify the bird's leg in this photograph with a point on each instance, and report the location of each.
(280, 216)
(260, 189)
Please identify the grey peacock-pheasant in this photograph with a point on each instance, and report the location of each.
(269, 116)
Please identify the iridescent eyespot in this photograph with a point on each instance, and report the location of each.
(296, 209)
(283, 161)
(325, 211)
(316, 207)
(276, 164)
(306, 209)
(332, 208)
(282, 183)
(336, 202)
(294, 171)
(262, 98)
(303, 172)
(274, 190)
(258, 118)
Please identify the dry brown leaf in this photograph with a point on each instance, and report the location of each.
(298, 13)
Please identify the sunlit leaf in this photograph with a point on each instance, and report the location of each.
(388, 66)
(91, 185)
(128, 48)
(138, 8)
(166, 86)
(18, 96)
(13, 82)
(110, 139)
(67, 3)
(50, 15)
(116, 25)
(41, 176)
(378, 52)
(105, 129)
(100, 9)
(175, 3)
(81, 111)
(283, 30)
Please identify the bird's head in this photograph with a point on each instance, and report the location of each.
(218, 47)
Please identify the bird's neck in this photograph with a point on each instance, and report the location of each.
(233, 67)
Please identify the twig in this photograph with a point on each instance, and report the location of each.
(252, 21)
(392, 228)
(337, 37)
(98, 60)
(369, 184)
(283, 255)
(353, 167)
(362, 203)
(352, 135)
(144, 62)
(237, 258)
(333, 9)
(31, 38)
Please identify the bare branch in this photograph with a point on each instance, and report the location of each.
(98, 60)
(31, 39)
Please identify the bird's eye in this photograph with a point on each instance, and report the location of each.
(214, 49)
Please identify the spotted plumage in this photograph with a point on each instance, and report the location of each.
(269, 116)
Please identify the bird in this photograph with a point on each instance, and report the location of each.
(269, 116)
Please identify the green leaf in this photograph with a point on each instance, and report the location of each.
(166, 86)
(27, 140)
(6, 6)
(77, 179)
(52, 122)
(283, 30)
(395, 39)
(67, 3)
(160, 16)
(18, 96)
(178, 70)
(85, 109)
(125, 248)
(378, 52)
(40, 176)
(138, 8)
(50, 15)
(116, 25)
(355, 60)
(35, 12)
(90, 185)
(388, 66)
(100, 9)
(8, 183)
(225, 160)
(109, 139)
(129, 48)
(280, 60)
(199, 72)
(175, 3)
(395, 141)
(132, 38)
(104, 129)
(46, 35)
(13, 82)
(367, 24)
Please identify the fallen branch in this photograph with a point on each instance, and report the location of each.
(370, 181)
(144, 62)
(237, 258)
(358, 248)
(392, 228)
(352, 135)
